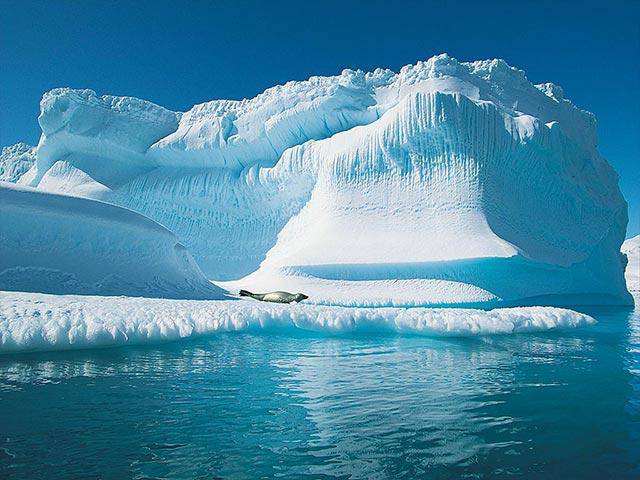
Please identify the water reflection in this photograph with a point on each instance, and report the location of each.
(250, 406)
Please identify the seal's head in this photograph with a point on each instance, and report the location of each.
(300, 297)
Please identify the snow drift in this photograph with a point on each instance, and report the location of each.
(447, 183)
(59, 244)
(71, 322)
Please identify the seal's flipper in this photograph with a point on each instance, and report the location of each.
(245, 293)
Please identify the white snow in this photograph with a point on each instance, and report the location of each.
(474, 282)
(447, 183)
(631, 248)
(59, 244)
(15, 161)
(86, 130)
(35, 322)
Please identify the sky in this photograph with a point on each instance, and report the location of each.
(178, 54)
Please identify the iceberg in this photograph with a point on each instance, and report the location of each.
(74, 322)
(61, 244)
(445, 184)
(631, 249)
(16, 161)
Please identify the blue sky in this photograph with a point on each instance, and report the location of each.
(181, 53)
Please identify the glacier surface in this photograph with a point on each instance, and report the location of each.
(72, 322)
(60, 244)
(447, 183)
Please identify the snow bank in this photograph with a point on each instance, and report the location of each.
(631, 248)
(432, 176)
(45, 322)
(59, 244)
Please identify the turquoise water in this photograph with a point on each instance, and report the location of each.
(553, 405)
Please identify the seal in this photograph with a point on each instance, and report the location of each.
(276, 297)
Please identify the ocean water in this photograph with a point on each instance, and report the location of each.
(563, 404)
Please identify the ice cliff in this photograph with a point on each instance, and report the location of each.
(447, 183)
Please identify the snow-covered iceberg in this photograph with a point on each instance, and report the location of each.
(447, 183)
(72, 322)
(60, 244)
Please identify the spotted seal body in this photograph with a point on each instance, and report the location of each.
(276, 297)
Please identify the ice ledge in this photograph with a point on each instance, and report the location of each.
(75, 322)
